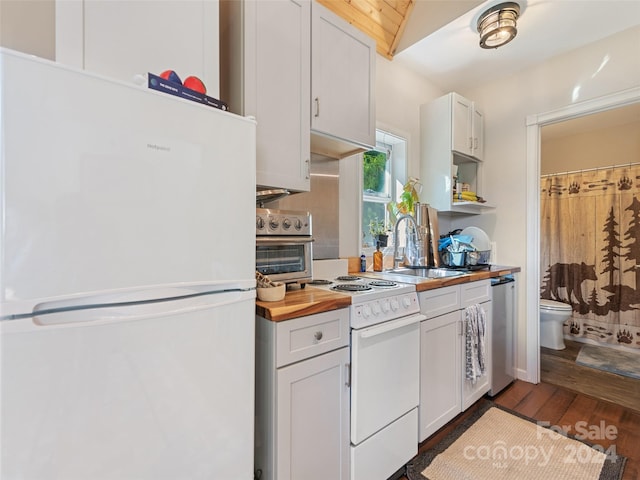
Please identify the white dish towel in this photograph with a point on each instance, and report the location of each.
(475, 327)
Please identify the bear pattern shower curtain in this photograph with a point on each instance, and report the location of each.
(590, 251)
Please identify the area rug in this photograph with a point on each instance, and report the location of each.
(495, 443)
(610, 360)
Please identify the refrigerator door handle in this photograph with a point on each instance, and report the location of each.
(126, 312)
(125, 296)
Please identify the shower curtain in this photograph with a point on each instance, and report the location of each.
(590, 251)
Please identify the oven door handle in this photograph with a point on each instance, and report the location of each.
(283, 240)
(393, 325)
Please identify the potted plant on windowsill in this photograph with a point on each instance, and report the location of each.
(378, 231)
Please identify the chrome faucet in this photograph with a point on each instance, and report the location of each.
(396, 261)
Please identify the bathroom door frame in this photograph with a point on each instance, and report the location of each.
(534, 125)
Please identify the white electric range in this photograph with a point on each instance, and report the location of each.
(373, 301)
(385, 379)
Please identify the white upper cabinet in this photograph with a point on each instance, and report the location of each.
(121, 39)
(466, 127)
(342, 84)
(451, 138)
(265, 73)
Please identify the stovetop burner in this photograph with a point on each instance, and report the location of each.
(319, 281)
(382, 283)
(350, 287)
(348, 278)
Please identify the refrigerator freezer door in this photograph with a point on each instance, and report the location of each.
(107, 185)
(146, 396)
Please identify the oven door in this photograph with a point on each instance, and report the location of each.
(385, 374)
(285, 259)
(385, 383)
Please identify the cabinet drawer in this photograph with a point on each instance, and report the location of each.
(306, 337)
(475, 292)
(439, 301)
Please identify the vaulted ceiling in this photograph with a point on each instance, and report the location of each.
(439, 40)
(397, 24)
(382, 20)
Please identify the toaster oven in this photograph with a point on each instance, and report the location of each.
(284, 245)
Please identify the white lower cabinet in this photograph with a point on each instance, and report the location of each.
(440, 370)
(444, 389)
(302, 398)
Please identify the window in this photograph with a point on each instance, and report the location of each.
(384, 170)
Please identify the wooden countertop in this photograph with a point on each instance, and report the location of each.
(302, 302)
(423, 284)
(310, 300)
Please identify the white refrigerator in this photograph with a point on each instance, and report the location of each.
(127, 285)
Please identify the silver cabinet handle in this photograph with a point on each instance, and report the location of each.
(317, 100)
(318, 336)
(308, 164)
(348, 374)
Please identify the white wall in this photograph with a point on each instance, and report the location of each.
(506, 103)
(604, 147)
(399, 94)
(28, 26)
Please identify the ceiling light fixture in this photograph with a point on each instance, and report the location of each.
(497, 25)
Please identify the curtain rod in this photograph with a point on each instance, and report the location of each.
(590, 169)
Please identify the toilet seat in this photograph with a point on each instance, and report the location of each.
(554, 305)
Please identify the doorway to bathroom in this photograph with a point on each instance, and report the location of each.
(590, 224)
(535, 123)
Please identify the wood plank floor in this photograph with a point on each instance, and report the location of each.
(561, 406)
(559, 367)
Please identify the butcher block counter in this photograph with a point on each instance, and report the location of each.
(423, 284)
(310, 300)
(302, 302)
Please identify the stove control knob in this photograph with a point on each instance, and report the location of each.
(395, 305)
(297, 224)
(366, 311)
(286, 224)
(376, 308)
(386, 306)
(273, 223)
(406, 302)
(259, 223)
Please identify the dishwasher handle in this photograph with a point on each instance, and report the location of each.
(502, 280)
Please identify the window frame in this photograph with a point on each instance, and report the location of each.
(397, 146)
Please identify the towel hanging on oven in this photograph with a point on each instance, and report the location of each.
(475, 326)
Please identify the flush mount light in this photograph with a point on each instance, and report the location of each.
(497, 25)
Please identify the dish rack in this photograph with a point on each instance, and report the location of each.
(465, 259)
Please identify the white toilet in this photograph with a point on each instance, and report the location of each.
(552, 315)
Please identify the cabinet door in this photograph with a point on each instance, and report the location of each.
(277, 83)
(313, 418)
(477, 127)
(473, 391)
(461, 134)
(440, 372)
(122, 39)
(342, 69)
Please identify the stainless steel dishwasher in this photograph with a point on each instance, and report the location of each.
(503, 290)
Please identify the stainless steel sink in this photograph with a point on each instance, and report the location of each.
(426, 272)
